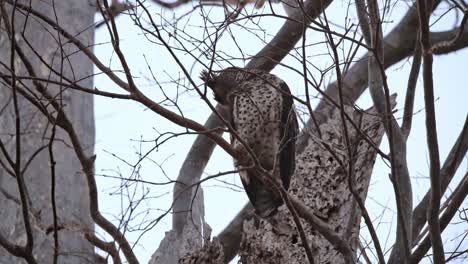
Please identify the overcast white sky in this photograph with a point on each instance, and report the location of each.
(121, 124)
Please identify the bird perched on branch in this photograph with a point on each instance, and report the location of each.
(261, 113)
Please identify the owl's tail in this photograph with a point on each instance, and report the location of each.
(266, 204)
(263, 200)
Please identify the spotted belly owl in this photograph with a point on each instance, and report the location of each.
(262, 117)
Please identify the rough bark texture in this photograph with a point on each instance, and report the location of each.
(211, 253)
(321, 184)
(71, 191)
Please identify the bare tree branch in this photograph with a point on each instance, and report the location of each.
(453, 160)
(431, 130)
(363, 17)
(366, 31)
(379, 91)
(108, 247)
(397, 45)
(457, 199)
(440, 47)
(16, 250)
(411, 90)
(286, 38)
(27, 250)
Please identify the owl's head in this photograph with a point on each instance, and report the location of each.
(223, 83)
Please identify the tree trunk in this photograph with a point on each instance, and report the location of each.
(179, 243)
(37, 39)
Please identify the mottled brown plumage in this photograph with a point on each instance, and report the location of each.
(262, 115)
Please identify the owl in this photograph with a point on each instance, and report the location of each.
(261, 114)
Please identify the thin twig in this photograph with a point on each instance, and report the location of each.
(458, 197)
(452, 162)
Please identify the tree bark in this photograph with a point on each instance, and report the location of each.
(191, 237)
(40, 42)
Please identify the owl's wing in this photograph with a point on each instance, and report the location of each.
(289, 127)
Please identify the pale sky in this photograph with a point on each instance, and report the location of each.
(121, 124)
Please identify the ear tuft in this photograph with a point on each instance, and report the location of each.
(204, 75)
(208, 78)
